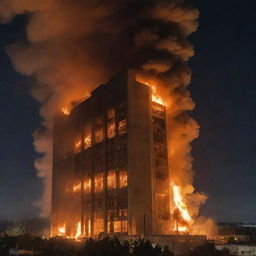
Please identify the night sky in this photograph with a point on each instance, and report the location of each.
(223, 87)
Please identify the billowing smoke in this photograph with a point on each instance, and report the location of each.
(73, 46)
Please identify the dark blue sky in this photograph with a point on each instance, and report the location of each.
(223, 87)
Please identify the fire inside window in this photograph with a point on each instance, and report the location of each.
(87, 141)
(123, 212)
(98, 180)
(87, 185)
(87, 137)
(111, 179)
(117, 226)
(111, 128)
(123, 179)
(77, 187)
(122, 127)
(98, 225)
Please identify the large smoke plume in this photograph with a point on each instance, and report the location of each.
(73, 46)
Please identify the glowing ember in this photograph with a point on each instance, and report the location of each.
(78, 146)
(66, 111)
(62, 230)
(78, 230)
(87, 141)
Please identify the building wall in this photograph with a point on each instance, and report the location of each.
(105, 176)
(139, 158)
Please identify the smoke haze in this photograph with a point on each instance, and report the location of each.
(73, 46)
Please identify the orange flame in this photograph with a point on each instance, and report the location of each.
(78, 230)
(181, 207)
(76, 187)
(65, 111)
(62, 230)
(87, 142)
(156, 98)
(87, 185)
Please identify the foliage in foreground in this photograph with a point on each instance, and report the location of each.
(91, 247)
(96, 247)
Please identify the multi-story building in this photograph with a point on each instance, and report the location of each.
(110, 164)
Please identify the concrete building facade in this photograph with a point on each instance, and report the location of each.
(110, 164)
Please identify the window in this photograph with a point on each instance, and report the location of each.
(111, 113)
(123, 213)
(158, 110)
(117, 226)
(159, 129)
(123, 178)
(87, 137)
(159, 148)
(112, 203)
(122, 127)
(111, 179)
(99, 135)
(98, 225)
(87, 185)
(87, 141)
(98, 182)
(77, 187)
(111, 128)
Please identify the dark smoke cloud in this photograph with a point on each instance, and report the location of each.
(73, 46)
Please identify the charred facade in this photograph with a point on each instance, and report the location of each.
(110, 164)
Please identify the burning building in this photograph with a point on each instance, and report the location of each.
(110, 164)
